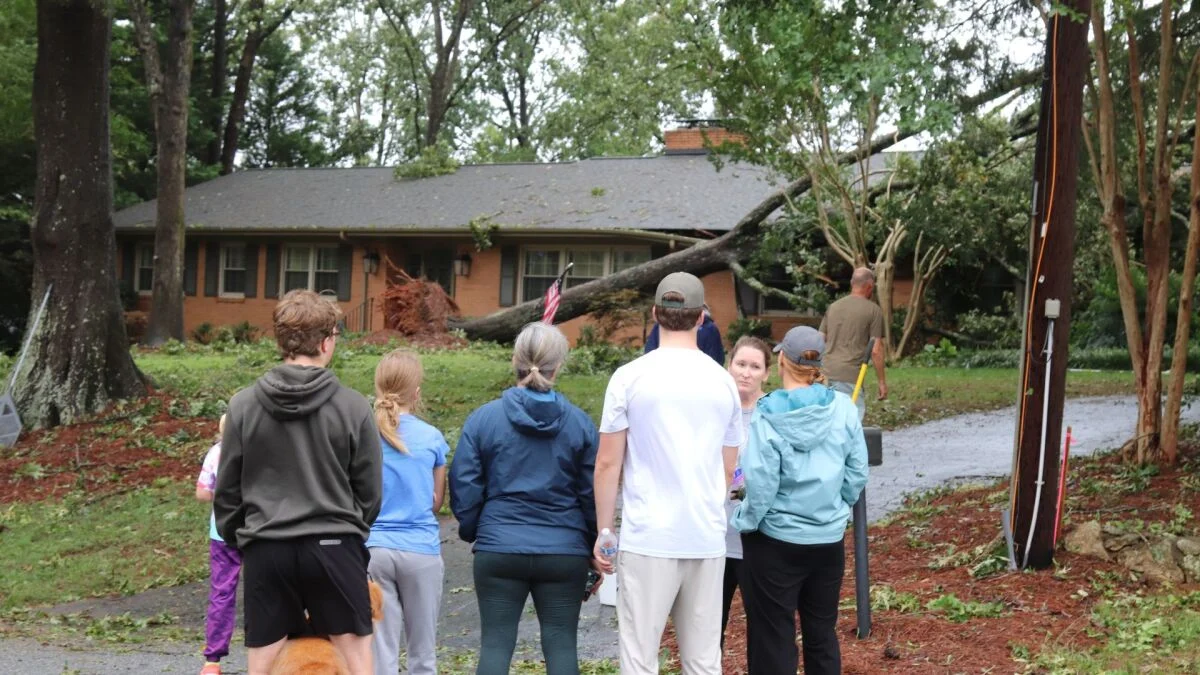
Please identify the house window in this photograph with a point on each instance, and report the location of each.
(436, 265)
(312, 267)
(145, 268)
(233, 270)
(541, 269)
(541, 266)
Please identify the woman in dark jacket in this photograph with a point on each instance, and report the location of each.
(521, 489)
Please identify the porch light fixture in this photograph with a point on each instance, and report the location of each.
(370, 262)
(462, 265)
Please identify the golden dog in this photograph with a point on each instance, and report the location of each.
(317, 655)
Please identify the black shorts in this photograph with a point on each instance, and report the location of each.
(325, 575)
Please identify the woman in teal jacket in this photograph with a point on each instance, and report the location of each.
(805, 465)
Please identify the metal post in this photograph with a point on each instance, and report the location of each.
(862, 581)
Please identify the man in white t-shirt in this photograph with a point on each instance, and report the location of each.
(671, 428)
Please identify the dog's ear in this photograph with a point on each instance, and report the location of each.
(376, 600)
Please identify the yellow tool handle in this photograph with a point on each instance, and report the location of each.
(862, 370)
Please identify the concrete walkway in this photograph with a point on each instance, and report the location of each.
(973, 446)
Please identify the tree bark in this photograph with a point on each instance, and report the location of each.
(259, 31)
(169, 80)
(220, 63)
(1112, 200)
(79, 359)
(1183, 323)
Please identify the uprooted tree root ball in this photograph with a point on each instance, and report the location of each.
(415, 306)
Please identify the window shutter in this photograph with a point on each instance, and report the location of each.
(251, 270)
(345, 268)
(212, 268)
(271, 282)
(508, 276)
(191, 257)
(128, 258)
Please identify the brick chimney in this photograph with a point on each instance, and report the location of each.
(690, 136)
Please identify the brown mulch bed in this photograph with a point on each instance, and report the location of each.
(1040, 608)
(125, 447)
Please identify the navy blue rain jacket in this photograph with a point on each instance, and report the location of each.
(708, 339)
(521, 478)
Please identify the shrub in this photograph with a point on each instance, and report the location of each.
(747, 326)
(203, 333)
(243, 332)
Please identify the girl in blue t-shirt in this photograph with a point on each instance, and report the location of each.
(405, 547)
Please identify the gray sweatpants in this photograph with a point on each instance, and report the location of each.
(412, 595)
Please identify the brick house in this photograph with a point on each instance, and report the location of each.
(253, 235)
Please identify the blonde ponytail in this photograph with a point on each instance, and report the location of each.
(397, 383)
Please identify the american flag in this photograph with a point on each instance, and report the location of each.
(553, 294)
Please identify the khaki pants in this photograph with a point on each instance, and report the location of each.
(689, 591)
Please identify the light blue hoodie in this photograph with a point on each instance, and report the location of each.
(805, 465)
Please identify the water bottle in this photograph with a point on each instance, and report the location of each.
(608, 543)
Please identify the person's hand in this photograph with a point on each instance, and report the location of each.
(599, 562)
(883, 391)
(600, 581)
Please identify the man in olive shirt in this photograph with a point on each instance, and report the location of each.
(848, 325)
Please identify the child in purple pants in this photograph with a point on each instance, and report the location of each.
(225, 563)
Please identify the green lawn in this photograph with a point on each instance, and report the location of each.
(155, 536)
(459, 381)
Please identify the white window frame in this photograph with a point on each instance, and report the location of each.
(138, 250)
(224, 265)
(312, 266)
(564, 256)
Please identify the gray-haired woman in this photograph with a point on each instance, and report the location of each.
(521, 489)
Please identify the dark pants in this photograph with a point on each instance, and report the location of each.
(778, 579)
(503, 581)
(733, 568)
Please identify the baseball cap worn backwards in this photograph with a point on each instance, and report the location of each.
(799, 340)
(686, 285)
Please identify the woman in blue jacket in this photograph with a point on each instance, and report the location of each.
(521, 489)
(805, 465)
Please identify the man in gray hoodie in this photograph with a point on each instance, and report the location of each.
(298, 487)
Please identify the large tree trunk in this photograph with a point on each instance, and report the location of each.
(169, 85)
(259, 31)
(1183, 325)
(220, 63)
(79, 358)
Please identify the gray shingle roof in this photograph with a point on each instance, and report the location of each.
(662, 193)
(656, 193)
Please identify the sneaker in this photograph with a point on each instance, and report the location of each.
(211, 668)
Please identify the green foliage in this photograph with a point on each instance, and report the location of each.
(1101, 323)
(958, 611)
(483, 229)
(1137, 633)
(243, 332)
(284, 120)
(884, 598)
(62, 550)
(433, 161)
(203, 333)
(760, 328)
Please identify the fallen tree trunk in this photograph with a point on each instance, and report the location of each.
(703, 258)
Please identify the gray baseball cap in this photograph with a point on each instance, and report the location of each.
(799, 340)
(687, 285)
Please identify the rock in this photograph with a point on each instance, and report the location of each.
(1122, 541)
(1086, 539)
(1159, 562)
(1188, 545)
(1191, 567)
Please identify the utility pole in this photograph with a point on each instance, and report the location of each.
(1047, 316)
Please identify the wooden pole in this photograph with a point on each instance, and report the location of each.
(1040, 404)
